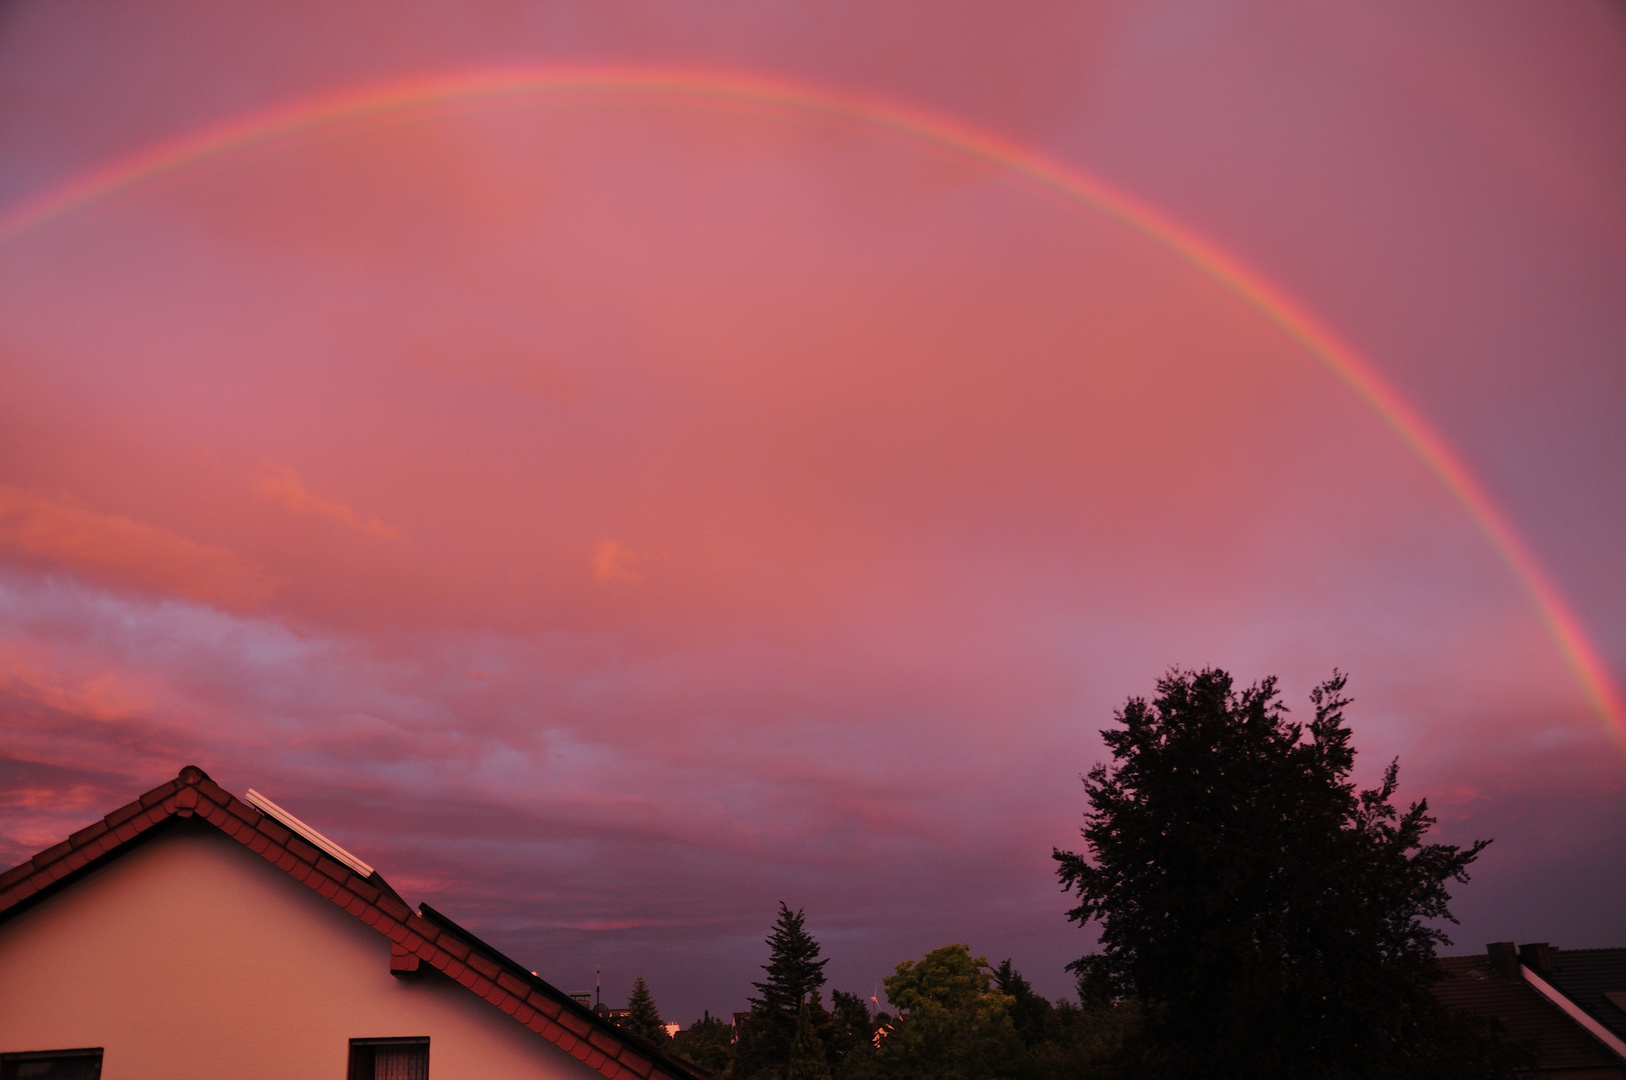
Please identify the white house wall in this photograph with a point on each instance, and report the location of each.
(190, 958)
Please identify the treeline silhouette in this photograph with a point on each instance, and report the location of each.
(1259, 917)
(956, 1016)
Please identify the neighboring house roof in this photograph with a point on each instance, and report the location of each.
(1563, 1047)
(1595, 979)
(417, 938)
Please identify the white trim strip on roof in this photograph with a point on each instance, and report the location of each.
(271, 809)
(1574, 1011)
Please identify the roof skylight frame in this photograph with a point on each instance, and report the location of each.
(272, 810)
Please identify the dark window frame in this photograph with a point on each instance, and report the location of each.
(361, 1054)
(9, 1062)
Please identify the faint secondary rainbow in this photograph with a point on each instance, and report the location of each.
(916, 127)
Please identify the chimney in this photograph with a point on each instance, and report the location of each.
(1538, 957)
(1504, 959)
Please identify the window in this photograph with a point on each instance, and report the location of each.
(389, 1059)
(52, 1065)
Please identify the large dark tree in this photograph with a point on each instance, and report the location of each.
(1273, 921)
(794, 975)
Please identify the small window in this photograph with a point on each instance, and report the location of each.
(52, 1065)
(389, 1059)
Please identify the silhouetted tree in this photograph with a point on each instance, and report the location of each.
(850, 1032)
(1274, 921)
(708, 1043)
(1029, 1011)
(794, 968)
(794, 974)
(807, 1060)
(1091, 1038)
(643, 1018)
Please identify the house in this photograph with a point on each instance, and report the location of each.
(617, 1017)
(193, 934)
(1567, 1005)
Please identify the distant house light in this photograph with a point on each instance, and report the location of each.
(272, 810)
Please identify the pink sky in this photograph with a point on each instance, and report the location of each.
(611, 513)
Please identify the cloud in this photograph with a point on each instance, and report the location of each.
(282, 486)
(912, 479)
(24, 675)
(64, 531)
(614, 562)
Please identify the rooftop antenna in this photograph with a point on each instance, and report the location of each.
(596, 981)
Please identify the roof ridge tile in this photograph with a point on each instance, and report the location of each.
(124, 813)
(88, 833)
(51, 855)
(157, 795)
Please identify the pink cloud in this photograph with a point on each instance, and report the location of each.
(101, 696)
(62, 530)
(776, 510)
(282, 485)
(614, 562)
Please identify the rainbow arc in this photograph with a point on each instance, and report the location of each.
(921, 128)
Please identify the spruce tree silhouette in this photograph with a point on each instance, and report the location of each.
(643, 1018)
(794, 975)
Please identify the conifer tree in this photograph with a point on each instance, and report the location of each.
(807, 1061)
(794, 968)
(643, 1017)
(795, 973)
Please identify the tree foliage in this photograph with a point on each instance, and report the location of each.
(794, 968)
(643, 1018)
(953, 1023)
(1028, 1010)
(807, 1060)
(1273, 920)
(795, 973)
(960, 1019)
(849, 1034)
(708, 1043)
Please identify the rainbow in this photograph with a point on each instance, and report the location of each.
(918, 128)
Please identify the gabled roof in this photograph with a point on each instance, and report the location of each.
(1595, 979)
(417, 938)
(1472, 984)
